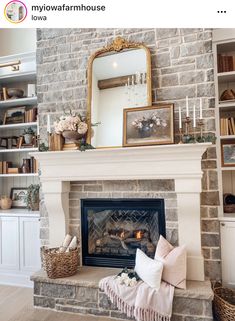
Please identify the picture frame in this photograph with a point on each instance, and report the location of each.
(151, 125)
(228, 153)
(18, 196)
(14, 115)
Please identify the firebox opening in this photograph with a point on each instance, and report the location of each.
(112, 230)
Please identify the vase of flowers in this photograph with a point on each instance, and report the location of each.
(72, 127)
(147, 126)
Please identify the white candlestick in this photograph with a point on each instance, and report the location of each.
(180, 119)
(200, 116)
(194, 116)
(187, 112)
(48, 124)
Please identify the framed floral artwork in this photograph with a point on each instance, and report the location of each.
(228, 152)
(153, 125)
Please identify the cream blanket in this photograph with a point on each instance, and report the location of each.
(141, 301)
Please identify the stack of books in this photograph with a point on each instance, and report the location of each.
(31, 165)
(227, 126)
(226, 62)
(31, 115)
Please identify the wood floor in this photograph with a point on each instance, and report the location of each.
(16, 305)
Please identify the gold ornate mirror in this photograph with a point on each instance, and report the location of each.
(119, 76)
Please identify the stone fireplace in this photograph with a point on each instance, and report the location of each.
(112, 230)
(178, 164)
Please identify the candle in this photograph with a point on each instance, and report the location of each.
(200, 116)
(187, 112)
(194, 116)
(180, 119)
(48, 124)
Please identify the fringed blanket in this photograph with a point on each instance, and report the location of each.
(140, 301)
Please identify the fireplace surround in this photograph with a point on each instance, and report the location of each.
(181, 163)
(112, 230)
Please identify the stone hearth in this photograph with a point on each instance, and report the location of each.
(80, 294)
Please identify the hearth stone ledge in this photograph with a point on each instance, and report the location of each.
(80, 294)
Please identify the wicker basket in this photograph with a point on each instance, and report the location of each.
(224, 304)
(59, 265)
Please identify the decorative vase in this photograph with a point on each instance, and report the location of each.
(72, 136)
(145, 131)
(28, 138)
(6, 203)
(25, 167)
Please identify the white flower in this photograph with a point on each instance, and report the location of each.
(133, 282)
(164, 123)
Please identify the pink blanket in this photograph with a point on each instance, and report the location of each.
(141, 301)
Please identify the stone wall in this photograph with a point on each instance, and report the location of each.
(182, 64)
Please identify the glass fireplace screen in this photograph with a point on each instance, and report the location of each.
(112, 230)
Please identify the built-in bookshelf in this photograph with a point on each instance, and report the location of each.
(224, 73)
(17, 167)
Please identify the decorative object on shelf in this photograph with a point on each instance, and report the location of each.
(227, 94)
(32, 197)
(56, 142)
(15, 93)
(229, 203)
(72, 127)
(31, 92)
(4, 93)
(148, 125)
(31, 115)
(43, 147)
(28, 135)
(187, 132)
(8, 142)
(6, 203)
(14, 115)
(18, 196)
(25, 166)
(228, 152)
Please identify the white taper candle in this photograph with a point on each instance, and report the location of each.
(180, 118)
(200, 116)
(194, 116)
(48, 124)
(187, 112)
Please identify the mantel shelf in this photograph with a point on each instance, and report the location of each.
(18, 150)
(148, 162)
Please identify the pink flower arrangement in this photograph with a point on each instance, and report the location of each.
(71, 122)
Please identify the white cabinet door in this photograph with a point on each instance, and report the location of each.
(9, 243)
(228, 257)
(29, 244)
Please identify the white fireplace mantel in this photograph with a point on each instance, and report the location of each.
(180, 162)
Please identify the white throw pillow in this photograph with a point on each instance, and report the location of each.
(149, 270)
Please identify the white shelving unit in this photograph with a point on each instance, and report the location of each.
(17, 79)
(224, 43)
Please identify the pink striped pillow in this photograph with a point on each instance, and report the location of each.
(174, 262)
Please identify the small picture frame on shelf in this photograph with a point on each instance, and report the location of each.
(14, 115)
(153, 125)
(228, 152)
(18, 196)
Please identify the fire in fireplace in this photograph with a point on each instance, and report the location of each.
(112, 230)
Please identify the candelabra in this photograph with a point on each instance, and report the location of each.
(181, 136)
(201, 124)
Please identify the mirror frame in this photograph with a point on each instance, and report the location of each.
(119, 44)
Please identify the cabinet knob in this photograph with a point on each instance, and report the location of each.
(222, 224)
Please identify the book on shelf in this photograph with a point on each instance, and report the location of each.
(31, 115)
(13, 170)
(227, 126)
(5, 166)
(226, 63)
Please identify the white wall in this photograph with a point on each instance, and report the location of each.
(15, 41)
